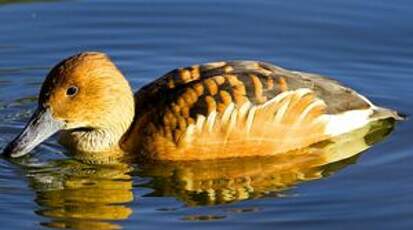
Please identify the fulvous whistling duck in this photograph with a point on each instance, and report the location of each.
(209, 111)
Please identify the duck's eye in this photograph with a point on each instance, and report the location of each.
(71, 91)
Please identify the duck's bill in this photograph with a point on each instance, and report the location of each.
(41, 126)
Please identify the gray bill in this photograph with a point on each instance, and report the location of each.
(41, 126)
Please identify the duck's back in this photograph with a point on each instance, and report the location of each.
(242, 108)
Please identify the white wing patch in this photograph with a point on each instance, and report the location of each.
(345, 122)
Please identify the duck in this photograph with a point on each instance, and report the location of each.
(217, 110)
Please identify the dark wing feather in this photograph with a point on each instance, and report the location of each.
(262, 82)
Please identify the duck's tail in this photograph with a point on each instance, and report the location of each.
(338, 124)
(380, 113)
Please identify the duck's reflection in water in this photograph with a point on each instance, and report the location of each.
(76, 195)
(225, 181)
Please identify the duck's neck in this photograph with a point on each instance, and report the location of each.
(90, 140)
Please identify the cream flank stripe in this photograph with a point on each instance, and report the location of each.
(241, 119)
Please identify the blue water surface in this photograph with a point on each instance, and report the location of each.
(367, 45)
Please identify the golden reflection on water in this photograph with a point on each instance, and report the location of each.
(81, 196)
(225, 181)
(75, 195)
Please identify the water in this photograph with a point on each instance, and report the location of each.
(365, 44)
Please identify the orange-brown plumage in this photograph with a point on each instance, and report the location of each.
(196, 122)
(106, 109)
(209, 111)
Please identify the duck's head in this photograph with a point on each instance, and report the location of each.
(87, 98)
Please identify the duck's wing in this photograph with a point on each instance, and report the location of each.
(242, 108)
(267, 79)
